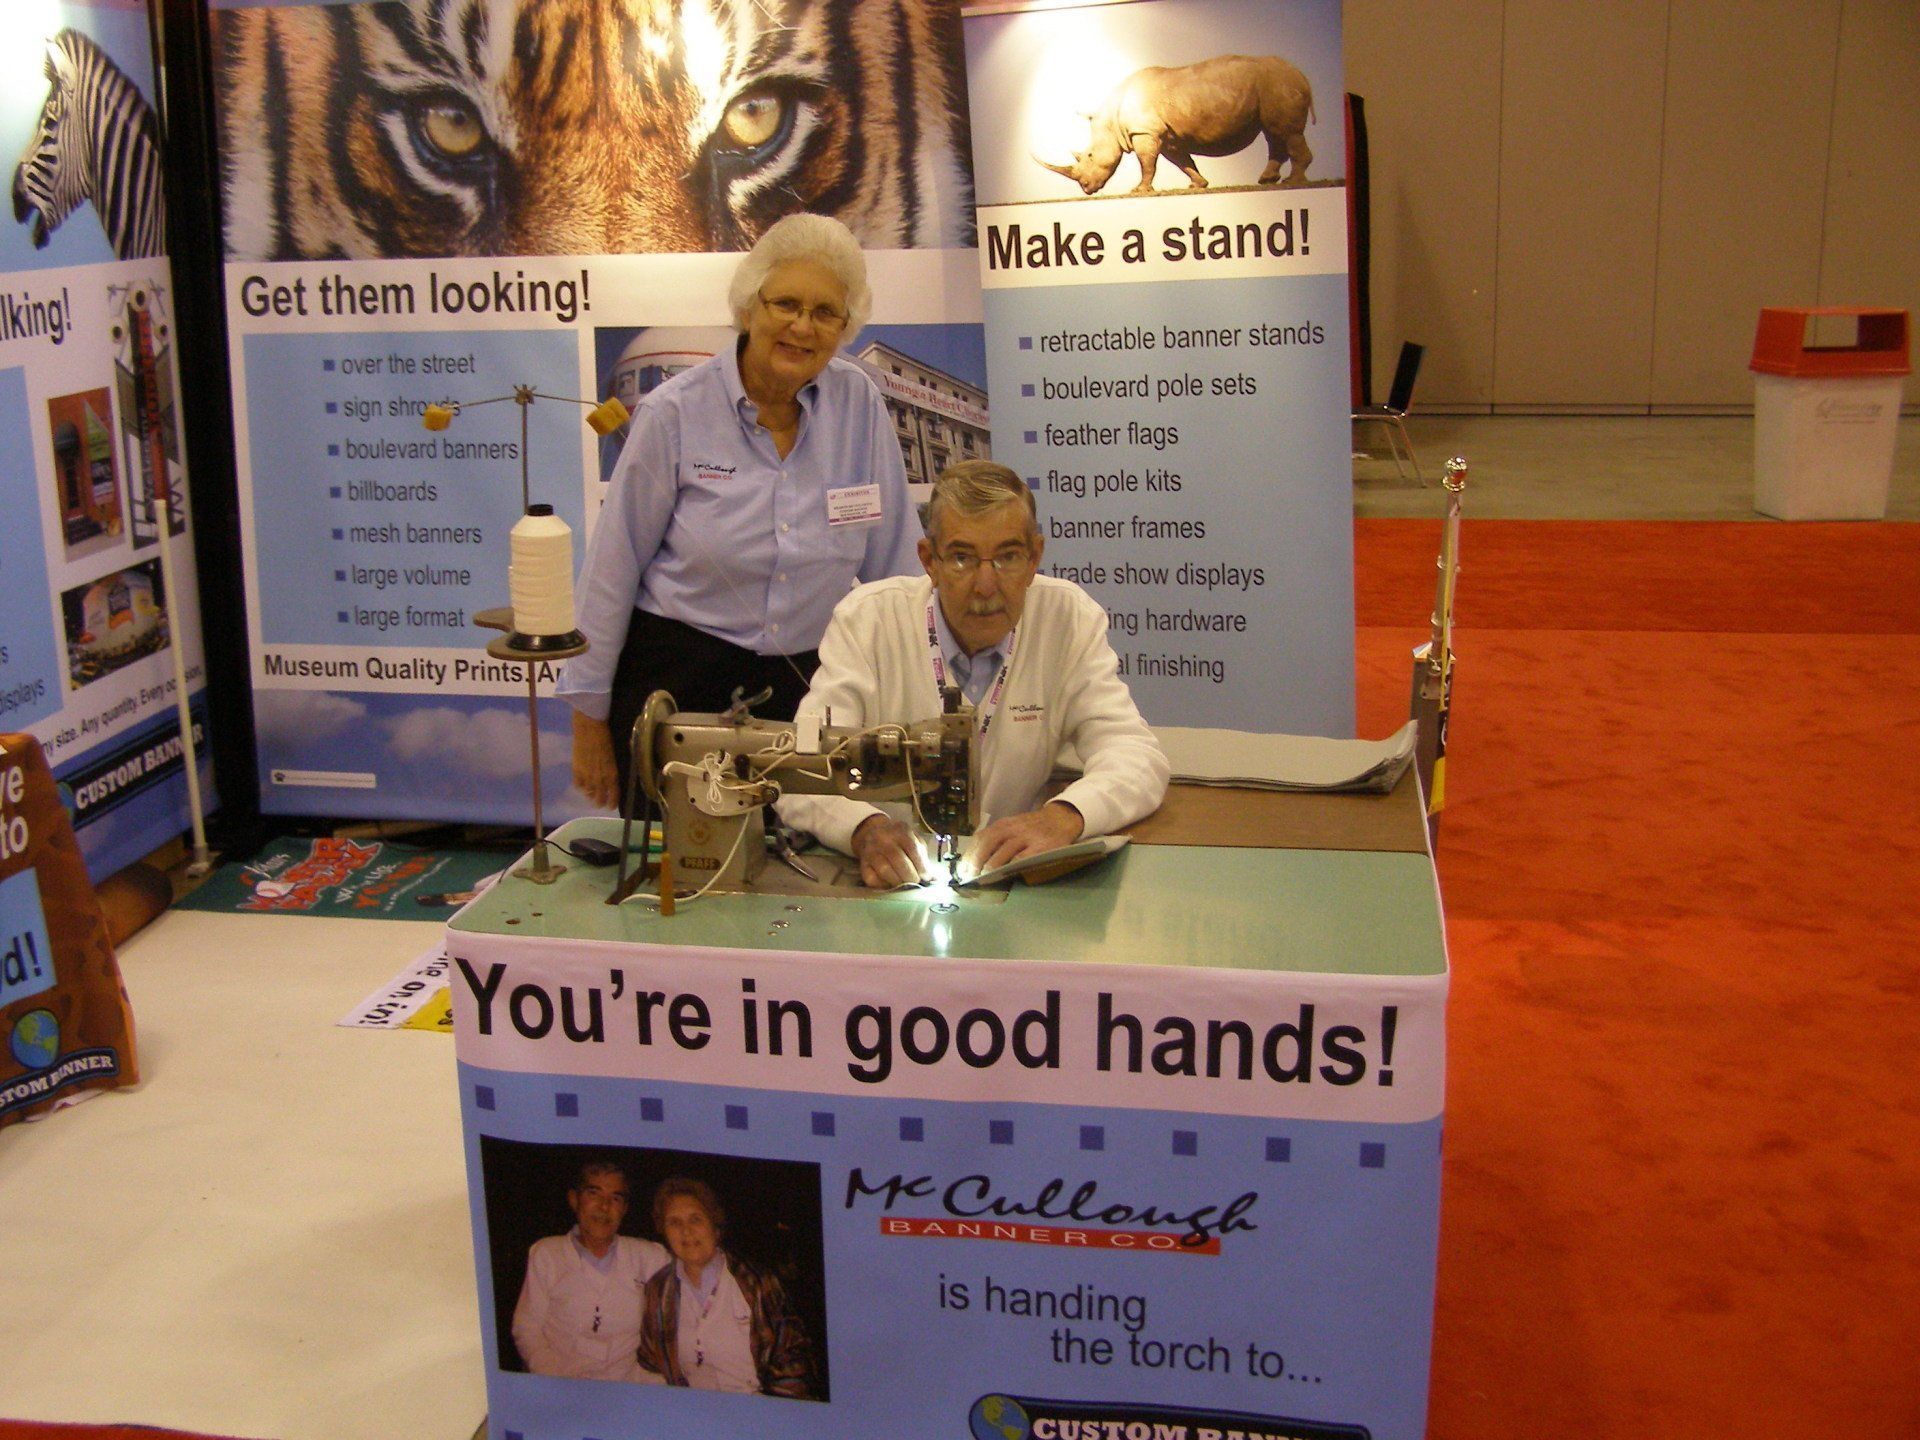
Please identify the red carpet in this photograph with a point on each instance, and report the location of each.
(1681, 866)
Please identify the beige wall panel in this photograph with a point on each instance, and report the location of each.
(1872, 254)
(1582, 90)
(1430, 75)
(1742, 184)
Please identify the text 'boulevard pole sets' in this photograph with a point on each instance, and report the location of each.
(538, 623)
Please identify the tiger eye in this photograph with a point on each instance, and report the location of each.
(454, 129)
(751, 121)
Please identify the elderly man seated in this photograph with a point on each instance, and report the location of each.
(1028, 651)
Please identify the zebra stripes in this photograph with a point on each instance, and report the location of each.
(96, 140)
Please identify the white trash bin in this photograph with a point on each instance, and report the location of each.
(1825, 417)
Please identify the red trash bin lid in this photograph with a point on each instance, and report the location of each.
(1780, 343)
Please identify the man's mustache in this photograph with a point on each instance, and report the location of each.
(987, 607)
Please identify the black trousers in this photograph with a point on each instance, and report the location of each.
(701, 672)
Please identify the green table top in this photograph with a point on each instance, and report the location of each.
(1339, 912)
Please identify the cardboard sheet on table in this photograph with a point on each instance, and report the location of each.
(1085, 852)
(1244, 760)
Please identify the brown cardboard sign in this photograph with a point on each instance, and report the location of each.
(65, 1025)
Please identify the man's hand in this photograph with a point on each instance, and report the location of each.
(888, 853)
(1054, 824)
(594, 773)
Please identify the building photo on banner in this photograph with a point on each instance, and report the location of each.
(99, 609)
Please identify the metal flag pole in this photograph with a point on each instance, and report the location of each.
(1433, 661)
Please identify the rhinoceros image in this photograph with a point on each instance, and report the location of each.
(1214, 107)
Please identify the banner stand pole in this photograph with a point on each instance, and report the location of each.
(147, 408)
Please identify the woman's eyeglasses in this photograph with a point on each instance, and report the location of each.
(786, 309)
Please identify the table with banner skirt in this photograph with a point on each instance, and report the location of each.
(1151, 1152)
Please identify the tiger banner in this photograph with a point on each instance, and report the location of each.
(98, 628)
(1162, 225)
(433, 203)
(438, 203)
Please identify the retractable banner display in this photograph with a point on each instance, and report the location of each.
(91, 477)
(1163, 253)
(431, 203)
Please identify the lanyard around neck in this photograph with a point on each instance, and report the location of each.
(990, 706)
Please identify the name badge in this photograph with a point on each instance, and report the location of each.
(853, 505)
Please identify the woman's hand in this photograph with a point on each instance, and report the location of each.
(594, 773)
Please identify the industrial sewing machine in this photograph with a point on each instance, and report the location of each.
(712, 777)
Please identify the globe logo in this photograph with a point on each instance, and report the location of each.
(36, 1039)
(999, 1417)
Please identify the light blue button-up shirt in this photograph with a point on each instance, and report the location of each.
(704, 522)
(602, 1263)
(975, 673)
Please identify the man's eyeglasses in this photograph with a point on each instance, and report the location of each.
(786, 309)
(1007, 564)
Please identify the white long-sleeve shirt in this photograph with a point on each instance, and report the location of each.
(1063, 687)
(576, 1320)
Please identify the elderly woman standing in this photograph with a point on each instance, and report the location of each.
(710, 1320)
(754, 491)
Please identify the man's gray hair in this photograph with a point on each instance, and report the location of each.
(973, 487)
(591, 1168)
(818, 238)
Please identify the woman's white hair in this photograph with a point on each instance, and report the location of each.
(818, 238)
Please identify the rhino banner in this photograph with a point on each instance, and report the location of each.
(1162, 223)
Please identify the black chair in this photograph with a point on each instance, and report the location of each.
(1393, 414)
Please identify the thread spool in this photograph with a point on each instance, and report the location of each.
(608, 416)
(540, 581)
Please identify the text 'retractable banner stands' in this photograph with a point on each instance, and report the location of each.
(1002, 1196)
(1170, 367)
(92, 474)
(418, 212)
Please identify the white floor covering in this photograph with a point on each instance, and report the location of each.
(268, 1237)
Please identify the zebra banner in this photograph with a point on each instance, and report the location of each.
(92, 482)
